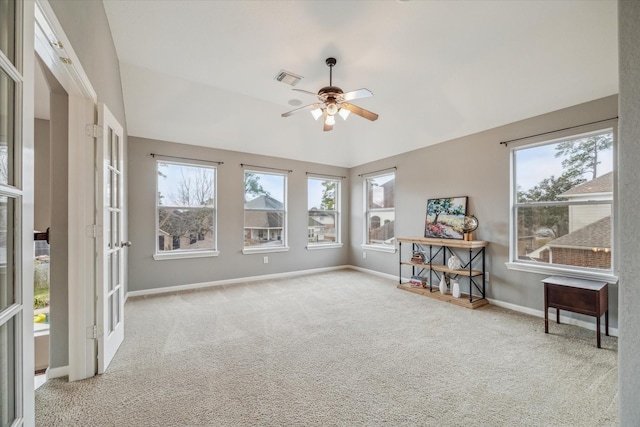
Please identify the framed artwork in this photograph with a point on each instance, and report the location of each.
(445, 218)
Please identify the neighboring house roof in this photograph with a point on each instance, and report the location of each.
(264, 202)
(594, 235)
(262, 219)
(601, 184)
(160, 231)
(314, 223)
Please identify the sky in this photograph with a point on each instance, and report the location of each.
(535, 164)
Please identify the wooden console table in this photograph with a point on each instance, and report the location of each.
(579, 296)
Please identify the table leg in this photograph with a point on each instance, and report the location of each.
(606, 322)
(598, 332)
(557, 315)
(546, 311)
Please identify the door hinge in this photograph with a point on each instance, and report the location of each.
(92, 332)
(94, 131)
(92, 231)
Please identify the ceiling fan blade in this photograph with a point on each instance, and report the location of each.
(306, 91)
(360, 111)
(306, 107)
(357, 94)
(326, 127)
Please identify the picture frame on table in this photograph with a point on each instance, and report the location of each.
(445, 217)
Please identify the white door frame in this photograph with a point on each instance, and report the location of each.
(51, 43)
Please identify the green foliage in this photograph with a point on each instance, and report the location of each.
(555, 218)
(549, 189)
(40, 301)
(252, 186)
(328, 195)
(582, 154)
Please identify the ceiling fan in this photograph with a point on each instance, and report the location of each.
(333, 100)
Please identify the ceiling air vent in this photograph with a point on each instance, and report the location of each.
(288, 77)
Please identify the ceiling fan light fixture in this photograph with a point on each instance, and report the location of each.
(316, 113)
(344, 113)
(330, 120)
(332, 108)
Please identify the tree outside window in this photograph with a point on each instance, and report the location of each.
(323, 196)
(563, 192)
(186, 210)
(264, 209)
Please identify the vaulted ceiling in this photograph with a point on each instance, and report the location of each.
(203, 72)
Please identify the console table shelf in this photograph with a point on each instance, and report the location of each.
(436, 252)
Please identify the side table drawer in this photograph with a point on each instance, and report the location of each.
(578, 300)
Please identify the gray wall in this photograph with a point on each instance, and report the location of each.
(85, 24)
(146, 273)
(476, 166)
(58, 237)
(42, 179)
(629, 203)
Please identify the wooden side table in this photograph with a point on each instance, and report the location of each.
(579, 296)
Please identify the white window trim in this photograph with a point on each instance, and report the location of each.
(264, 250)
(380, 248)
(285, 220)
(338, 214)
(316, 246)
(550, 269)
(183, 254)
(576, 272)
(365, 234)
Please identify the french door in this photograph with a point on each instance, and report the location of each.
(16, 214)
(111, 243)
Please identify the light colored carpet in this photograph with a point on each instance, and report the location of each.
(342, 348)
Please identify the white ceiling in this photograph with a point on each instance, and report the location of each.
(203, 72)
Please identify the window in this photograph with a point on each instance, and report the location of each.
(186, 210)
(323, 202)
(563, 201)
(380, 211)
(264, 211)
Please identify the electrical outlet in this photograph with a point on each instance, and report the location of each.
(265, 260)
(364, 255)
(486, 276)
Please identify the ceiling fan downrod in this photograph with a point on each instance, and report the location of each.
(331, 62)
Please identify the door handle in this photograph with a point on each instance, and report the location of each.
(127, 244)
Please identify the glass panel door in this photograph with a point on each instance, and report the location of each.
(111, 288)
(13, 396)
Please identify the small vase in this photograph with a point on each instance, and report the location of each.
(454, 263)
(455, 288)
(443, 285)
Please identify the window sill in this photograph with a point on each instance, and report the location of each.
(314, 247)
(380, 248)
(564, 271)
(184, 255)
(263, 250)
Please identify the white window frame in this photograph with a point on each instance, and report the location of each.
(198, 253)
(365, 197)
(559, 269)
(336, 211)
(247, 250)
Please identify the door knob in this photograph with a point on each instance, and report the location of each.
(127, 244)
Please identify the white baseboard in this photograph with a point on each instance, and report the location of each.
(498, 303)
(201, 285)
(540, 313)
(62, 371)
(372, 272)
